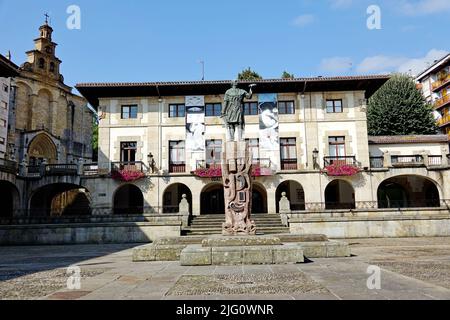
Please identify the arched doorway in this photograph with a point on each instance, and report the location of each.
(10, 199)
(172, 197)
(408, 192)
(60, 199)
(40, 148)
(295, 194)
(212, 200)
(128, 200)
(339, 194)
(259, 199)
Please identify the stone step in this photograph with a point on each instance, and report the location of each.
(212, 231)
(201, 223)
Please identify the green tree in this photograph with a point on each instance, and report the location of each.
(95, 142)
(399, 108)
(287, 75)
(249, 75)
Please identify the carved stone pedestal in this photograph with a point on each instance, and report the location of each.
(236, 171)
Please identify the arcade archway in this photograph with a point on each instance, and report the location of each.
(212, 200)
(295, 194)
(339, 194)
(173, 195)
(10, 199)
(128, 200)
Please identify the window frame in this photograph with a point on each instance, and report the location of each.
(217, 150)
(288, 145)
(284, 110)
(336, 144)
(247, 106)
(174, 145)
(128, 150)
(334, 107)
(178, 106)
(214, 106)
(129, 107)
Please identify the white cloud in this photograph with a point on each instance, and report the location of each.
(336, 65)
(423, 7)
(303, 20)
(382, 64)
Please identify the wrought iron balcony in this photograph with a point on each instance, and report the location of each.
(341, 161)
(138, 166)
(177, 167)
(289, 164)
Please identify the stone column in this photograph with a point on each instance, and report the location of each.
(387, 163)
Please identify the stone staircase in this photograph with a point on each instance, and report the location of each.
(212, 225)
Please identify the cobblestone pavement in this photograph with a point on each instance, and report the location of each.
(410, 269)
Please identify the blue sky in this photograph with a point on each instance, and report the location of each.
(165, 40)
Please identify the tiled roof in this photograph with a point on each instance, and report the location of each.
(7, 67)
(210, 82)
(442, 138)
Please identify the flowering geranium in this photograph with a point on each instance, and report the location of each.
(127, 175)
(336, 170)
(216, 172)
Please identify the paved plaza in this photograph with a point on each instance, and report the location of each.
(412, 268)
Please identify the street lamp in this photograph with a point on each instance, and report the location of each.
(315, 158)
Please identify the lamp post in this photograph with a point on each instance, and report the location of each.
(151, 162)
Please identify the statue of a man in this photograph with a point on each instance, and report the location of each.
(233, 111)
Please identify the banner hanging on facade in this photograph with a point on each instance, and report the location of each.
(268, 123)
(195, 123)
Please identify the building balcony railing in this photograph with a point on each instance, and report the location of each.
(407, 161)
(340, 161)
(434, 161)
(61, 170)
(177, 168)
(438, 85)
(377, 162)
(289, 164)
(135, 166)
(8, 166)
(442, 102)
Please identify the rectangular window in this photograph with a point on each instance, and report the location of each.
(213, 153)
(288, 150)
(334, 106)
(177, 156)
(286, 107)
(253, 146)
(129, 112)
(177, 110)
(128, 151)
(3, 105)
(213, 109)
(337, 146)
(251, 108)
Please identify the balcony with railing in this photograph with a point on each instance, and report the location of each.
(135, 166)
(8, 166)
(442, 102)
(434, 161)
(376, 162)
(408, 161)
(444, 121)
(340, 161)
(177, 167)
(289, 164)
(438, 85)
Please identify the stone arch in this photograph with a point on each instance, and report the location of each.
(10, 199)
(294, 192)
(259, 199)
(40, 148)
(408, 191)
(172, 197)
(212, 199)
(60, 199)
(340, 194)
(23, 106)
(128, 200)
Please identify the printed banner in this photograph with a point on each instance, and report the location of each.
(195, 123)
(268, 123)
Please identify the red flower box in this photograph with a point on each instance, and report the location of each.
(336, 170)
(217, 172)
(127, 175)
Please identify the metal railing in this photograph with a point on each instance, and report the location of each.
(434, 161)
(90, 169)
(377, 162)
(177, 168)
(404, 161)
(61, 169)
(347, 160)
(439, 103)
(138, 166)
(289, 164)
(8, 166)
(440, 83)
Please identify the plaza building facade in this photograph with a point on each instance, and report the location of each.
(435, 85)
(320, 157)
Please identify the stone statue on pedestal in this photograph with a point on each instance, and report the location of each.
(233, 111)
(237, 167)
